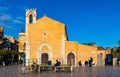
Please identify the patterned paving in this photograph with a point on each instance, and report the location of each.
(108, 71)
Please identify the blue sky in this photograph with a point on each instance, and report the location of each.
(86, 20)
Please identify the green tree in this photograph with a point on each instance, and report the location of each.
(113, 52)
(3, 52)
(118, 51)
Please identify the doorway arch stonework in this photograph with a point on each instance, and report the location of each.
(44, 48)
(71, 58)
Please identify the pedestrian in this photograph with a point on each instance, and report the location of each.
(91, 59)
(80, 64)
(90, 62)
(118, 60)
(0, 62)
(86, 63)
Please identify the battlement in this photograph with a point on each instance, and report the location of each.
(34, 9)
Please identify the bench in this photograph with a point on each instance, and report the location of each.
(39, 68)
(43, 67)
(64, 68)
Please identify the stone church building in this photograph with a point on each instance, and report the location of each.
(46, 39)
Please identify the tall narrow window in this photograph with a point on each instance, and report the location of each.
(30, 18)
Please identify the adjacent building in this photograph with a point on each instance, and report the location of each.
(22, 41)
(7, 42)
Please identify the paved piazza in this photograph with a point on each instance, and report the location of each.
(108, 71)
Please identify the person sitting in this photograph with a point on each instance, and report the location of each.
(57, 63)
(34, 66)
(49, 64)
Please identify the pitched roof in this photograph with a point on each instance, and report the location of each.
(48, 19)
(100, 48)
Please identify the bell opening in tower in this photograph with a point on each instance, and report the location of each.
(30, 18)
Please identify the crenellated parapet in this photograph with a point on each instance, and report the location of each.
(33, 9)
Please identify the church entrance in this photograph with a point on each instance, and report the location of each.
(70, 59)
(99, 59)
(44, 58)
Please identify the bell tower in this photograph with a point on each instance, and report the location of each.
(30, 16)
(30, 19)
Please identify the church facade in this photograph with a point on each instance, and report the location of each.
(46, 39)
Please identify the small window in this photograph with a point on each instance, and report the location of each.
(44, 34)
(30, 18)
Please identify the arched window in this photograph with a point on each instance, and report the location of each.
(30, 18)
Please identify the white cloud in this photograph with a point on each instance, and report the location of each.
(20, 18)
(5, 17)
(9, 27)
(3, 14)
(17, 21)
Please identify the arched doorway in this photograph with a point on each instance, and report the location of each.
(44, 58)
(44, 53)
(71, 59)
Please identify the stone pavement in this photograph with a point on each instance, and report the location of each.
(108, 71)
